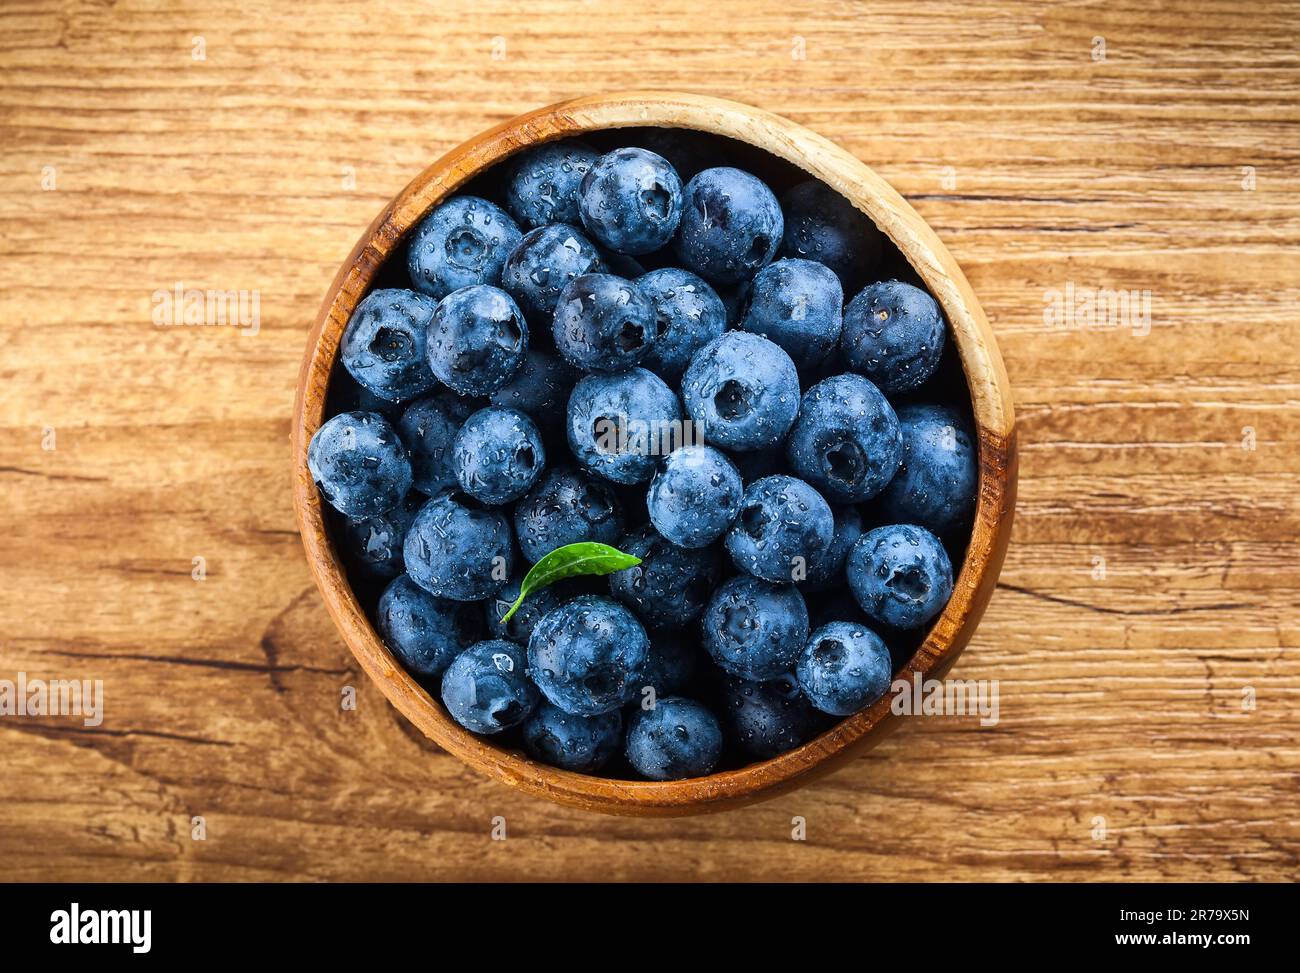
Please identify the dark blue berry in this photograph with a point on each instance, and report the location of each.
(589, 655)
(893, 334)
(846, 441)
(497, 455)
(359, 464)
(462, 242)
(731, 225)
(798, 304)
(485, 688)
(457, 550)
(383, 346)
(784, 527)
(754, 629)
(631, 201)
(477, 340)
(603, 323)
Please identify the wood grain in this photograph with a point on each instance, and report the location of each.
(1122, 690)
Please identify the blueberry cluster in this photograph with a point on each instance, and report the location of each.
(665, 357)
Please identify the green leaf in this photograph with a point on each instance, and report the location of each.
(569, 561)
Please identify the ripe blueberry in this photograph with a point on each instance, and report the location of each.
(485, 688)
(678, 738)
(543, 262)
(631, 201)
(754, 629)
(695, 496)
(383, 346)
(798, 304)
(477, 340)
(846, 440)
(589, 655)
(671, 585)
(893, 334)
(463, 242)
(603, 323)
(743, 389)
(424, 632)
(783, 529)
(938, 477)
(359, 464)
(457, 550)
(843, 668)
(497, 455)
(582, 744)
(544, 182)
(900, 575)
(688, 315)
(731, 225)
(566, 506)
(620, 424)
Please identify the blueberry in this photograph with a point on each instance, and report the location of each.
(373, 545)
(844, 668)
(485, 688)
(456, 550)
(688, 315)
(671, 666)
(565, 507)
(543, 262)
(383, 346)
(530, 612)
(582, 744)
(828, 570)
(427, 426)
(671, 585)
(938, 478)
(631, 201)
(822, 225)
(769, 718)
(620, 424)
(537, 389)
(603, 323)
(477, 339)
(743, 389)
(545, 181)
(588, 656)
(753, 629)
(676, 739)
(798, 304)
(893, 334)
(731, 225)
(900, 575)
(463, 242)
(784, 527)
(497, 455)
(695, 496)
(423, 632)
(846, 441)
(359, 464)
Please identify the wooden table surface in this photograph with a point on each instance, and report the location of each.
(1144, 635)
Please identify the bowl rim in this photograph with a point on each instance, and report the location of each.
(821, 159)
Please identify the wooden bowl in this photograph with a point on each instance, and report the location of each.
(985, 375)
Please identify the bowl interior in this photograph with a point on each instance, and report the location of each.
(781, 153)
